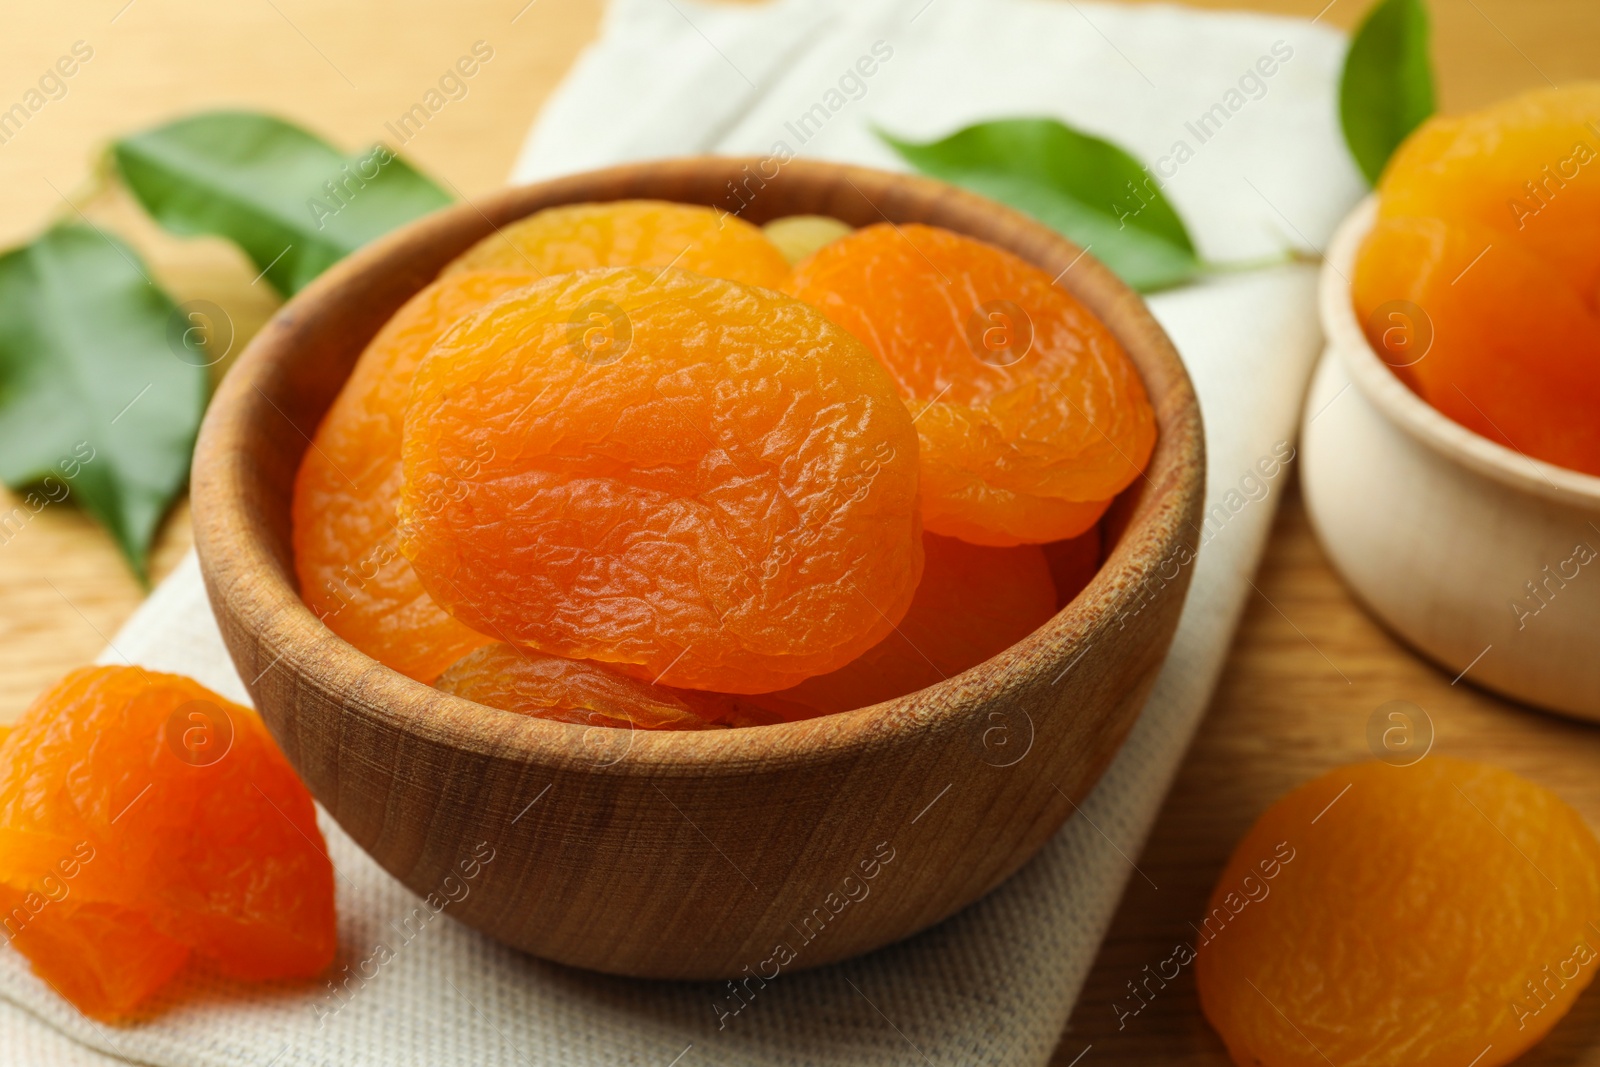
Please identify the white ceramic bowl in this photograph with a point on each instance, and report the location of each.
(1486, 561)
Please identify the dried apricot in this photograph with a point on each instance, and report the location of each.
(1073, 564)
(1527, 170)
(797, 236)
(631, 233)
(345, 540)
(1508, 348)
(1031, 417)
(565, 690)
(974, 602)
(704, 484)
(591, 694)
(1480, 282)
(1433, 915)
(144, 818)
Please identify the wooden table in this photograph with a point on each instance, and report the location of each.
(1308, 665)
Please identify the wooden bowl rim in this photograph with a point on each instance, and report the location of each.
(1404, 408)
(361, 685)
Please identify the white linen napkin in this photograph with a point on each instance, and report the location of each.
(1263, 168)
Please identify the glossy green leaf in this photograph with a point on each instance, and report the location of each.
(1083, 186)
(1386, 90)
(294, 203)
(101, 385)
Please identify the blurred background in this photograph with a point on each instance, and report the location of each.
(1307, 667)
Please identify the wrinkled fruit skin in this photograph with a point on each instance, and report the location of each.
(1417, 921)
(704, 484)
(1489, 223)
(974, 602)
(144, 818)
(583, 693)
(1030, 415)
(346, 548)
(631, 233)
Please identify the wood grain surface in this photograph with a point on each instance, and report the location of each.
(1307, 667)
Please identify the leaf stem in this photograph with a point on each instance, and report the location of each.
(1275, 259)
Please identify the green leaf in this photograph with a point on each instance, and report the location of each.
(93, 394)
(1085, 187)
(289, 199)
(1386, 90)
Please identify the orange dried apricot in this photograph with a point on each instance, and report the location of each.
(631, 233)
(1480, 282)
(704, 484)
(1526, 169)
(564, 690)
(1073, 564)
(345, 540)
(1510, 351)
(798, 236)
(529, 682)
(1433, 915)
(145, 819)
(974, 602)
(1031, 417)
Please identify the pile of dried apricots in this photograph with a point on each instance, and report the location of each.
(1480, 282)
(644, 464)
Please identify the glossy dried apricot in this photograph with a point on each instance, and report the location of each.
(346, 552)
(1480, 282)
(591, 694)
(974, 602)
(1508, 348)
(631, 233)
(1526, 169)
(704, 484)
(144, 818)
(1434, 915)
(1031, 417)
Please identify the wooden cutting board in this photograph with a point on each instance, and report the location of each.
(1307, 668)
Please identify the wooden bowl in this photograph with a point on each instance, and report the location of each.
(1484, 560)
(689, 855)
